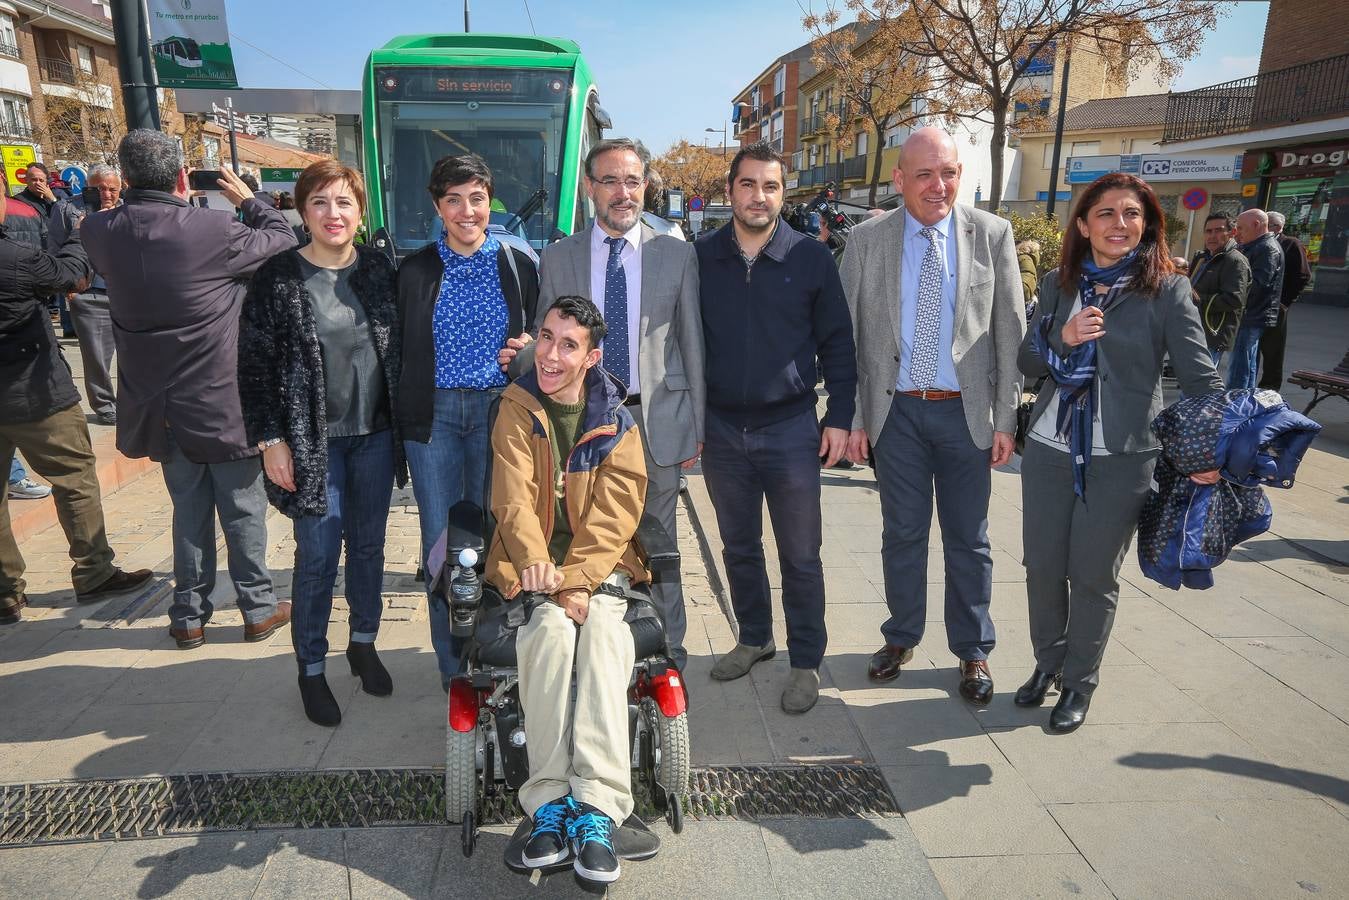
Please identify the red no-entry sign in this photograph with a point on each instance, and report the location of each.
(1194, 198)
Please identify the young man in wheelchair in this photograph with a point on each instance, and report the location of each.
(568, 483)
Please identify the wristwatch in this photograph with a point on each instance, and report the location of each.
(270, 442)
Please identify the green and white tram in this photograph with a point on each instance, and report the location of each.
(527, 105)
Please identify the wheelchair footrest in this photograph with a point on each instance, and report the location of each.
(633, 841)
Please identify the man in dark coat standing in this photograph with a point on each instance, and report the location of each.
(176, 278)
(1220, 279)
(38, 195)
(40, 414)
(1296, 275)
(1262, 251)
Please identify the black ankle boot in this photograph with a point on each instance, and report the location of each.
(320, 706)
(1032, 693)
(365, 663)
(1070, 712)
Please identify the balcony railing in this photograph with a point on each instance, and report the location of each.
(819, 121)
(1310, 91)
(856, 167)
(10, 50)
(15, 129)
(57, 71)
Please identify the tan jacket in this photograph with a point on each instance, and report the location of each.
(604, 488)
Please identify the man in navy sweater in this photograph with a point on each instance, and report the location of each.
(771, 303)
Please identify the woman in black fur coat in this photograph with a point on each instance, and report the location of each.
(319, 361)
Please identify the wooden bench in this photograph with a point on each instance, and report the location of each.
(1334, 383)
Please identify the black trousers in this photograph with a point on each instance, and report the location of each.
(779, 463)
(1272, 344)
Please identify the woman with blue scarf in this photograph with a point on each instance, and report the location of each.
(1108, 317)
(459, 299)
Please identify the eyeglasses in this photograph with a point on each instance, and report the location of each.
(609, 183)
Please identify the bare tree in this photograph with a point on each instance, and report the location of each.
(987, 45)
(697, 171)
(878, 79)
(85, 124)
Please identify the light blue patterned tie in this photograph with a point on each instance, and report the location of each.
(616, 312)
(927, 324)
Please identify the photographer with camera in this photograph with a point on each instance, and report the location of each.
(568, 483)
(176, 278)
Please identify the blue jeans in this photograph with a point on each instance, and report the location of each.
(1245, 350)
(452, 466)
(1217, 358)
(359, 488)
(779, 462)
(17, 472)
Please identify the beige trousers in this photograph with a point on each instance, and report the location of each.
(581, 747)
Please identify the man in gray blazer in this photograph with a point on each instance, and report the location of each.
(646, 285)
(935, 296)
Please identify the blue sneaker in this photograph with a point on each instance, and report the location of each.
(547, 843)
(591, 833)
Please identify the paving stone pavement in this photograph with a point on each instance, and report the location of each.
(1215, 760)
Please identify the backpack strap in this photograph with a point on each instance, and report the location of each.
(515, 274)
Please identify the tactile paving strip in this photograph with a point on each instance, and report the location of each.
(76, 811)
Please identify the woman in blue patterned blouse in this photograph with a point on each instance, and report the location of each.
(459, 300)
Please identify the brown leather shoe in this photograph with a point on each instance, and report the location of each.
(260, 631)
(188, 638)
(118, 583)
(11, 608)
(976, 682)
(885, 662)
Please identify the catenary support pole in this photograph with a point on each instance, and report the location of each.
(135, 65)
(1058, 129)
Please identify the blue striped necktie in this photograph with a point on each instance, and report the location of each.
(616, 312)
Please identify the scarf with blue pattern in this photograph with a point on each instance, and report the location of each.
(1075, 373)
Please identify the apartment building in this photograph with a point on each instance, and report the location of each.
(767, 108)
(844, 155)
(1290, 124)
(60, 95)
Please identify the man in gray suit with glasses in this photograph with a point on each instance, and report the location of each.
(646, 285)
(935, 295)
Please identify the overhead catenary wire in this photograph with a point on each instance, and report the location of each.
(243, 40)
(530, 15)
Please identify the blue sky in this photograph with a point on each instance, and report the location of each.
(665, 71)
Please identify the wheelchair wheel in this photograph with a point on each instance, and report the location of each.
(468, 837)
(671, 747)
(461, 774)
(674, 813)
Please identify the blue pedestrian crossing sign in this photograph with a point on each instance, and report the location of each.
(75, 179)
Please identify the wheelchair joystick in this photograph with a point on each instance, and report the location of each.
(465, 594)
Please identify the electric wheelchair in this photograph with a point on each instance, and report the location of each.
(486, 737)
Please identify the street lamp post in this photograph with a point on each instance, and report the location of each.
(722, 130)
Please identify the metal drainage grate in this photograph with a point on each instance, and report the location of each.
(70, 811)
